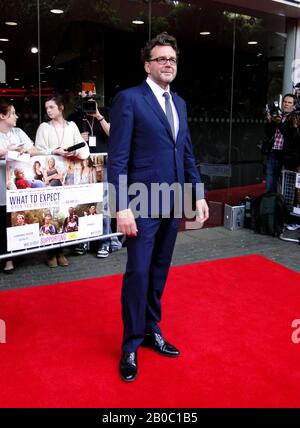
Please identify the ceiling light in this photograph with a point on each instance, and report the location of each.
(3, 40)
(1, 51)
(16, 78)
(253, 42)
(34, 50)
(12, 23)
(48, 66)
(137, 22)
(60, 68)
(295, 3)
(57, 11)
(205, 33)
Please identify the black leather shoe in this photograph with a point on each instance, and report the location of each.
(128, 366)
(156, 342)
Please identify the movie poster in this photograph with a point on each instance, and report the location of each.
(52, 200)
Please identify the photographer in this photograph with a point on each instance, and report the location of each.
(291, 149)
(297, 95)
(95, 129)
(91, 123)
(274, 142)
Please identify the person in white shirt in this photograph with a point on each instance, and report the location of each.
(55, 136)
(11, 139)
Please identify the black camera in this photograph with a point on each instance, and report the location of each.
(274, 110)
(88, 98)
(87, 103)
(88, 106)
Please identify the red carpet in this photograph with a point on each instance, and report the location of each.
(231, 319)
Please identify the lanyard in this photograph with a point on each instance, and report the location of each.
(91, 125)
(60, 141)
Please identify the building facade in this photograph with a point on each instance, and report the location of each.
(235, 57)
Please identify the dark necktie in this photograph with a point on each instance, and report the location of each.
(169, 112)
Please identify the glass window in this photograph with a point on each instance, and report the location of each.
(231, 64)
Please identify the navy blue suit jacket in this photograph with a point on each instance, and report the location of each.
(141, 146)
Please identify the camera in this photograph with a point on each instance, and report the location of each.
(88, 97)
(274, 110)
(88, 106)
(87, 103)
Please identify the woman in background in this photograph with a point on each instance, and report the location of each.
(37, 170)
(11, 139)
(69, 177)
(55, 136)
(87, 172)
(52, 175)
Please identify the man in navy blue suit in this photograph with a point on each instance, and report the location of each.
(150, 144)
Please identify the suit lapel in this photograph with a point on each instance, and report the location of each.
(150, 98)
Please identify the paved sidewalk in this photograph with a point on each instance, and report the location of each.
(191, 246)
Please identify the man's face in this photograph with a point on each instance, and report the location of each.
(288, 104)
(163, 75)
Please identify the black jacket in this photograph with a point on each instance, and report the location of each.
(268, 141)
(291, 148)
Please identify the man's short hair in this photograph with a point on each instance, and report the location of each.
(162, 39)
(291, 96)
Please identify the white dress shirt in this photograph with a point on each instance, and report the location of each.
(159, 94)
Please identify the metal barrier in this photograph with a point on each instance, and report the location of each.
(288, 190)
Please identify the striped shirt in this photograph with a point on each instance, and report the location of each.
(278, 138)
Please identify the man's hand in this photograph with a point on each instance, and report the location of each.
(126, 223)
(202, 211)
